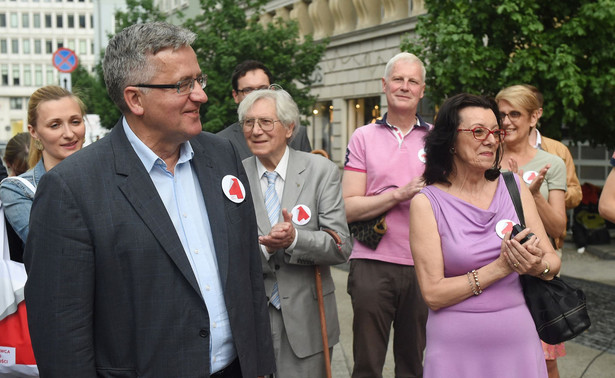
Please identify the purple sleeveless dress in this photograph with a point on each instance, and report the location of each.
(490, 335)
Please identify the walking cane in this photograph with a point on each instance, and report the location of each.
(323, 321)
(321, 305)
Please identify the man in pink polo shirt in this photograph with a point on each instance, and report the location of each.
(382, 172)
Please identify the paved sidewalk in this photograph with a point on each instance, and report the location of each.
(595, 265)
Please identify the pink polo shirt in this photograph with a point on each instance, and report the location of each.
(388, 159)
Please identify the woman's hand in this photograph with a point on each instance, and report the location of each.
(526, 258)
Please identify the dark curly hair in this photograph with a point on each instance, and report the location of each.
(440, 141)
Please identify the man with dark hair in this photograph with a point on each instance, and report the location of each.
(249, 76)
(143, 255)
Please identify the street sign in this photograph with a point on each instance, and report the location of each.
(66, 81)
(65, 60)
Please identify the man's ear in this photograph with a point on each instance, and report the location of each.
(236, 97)
(134, 100)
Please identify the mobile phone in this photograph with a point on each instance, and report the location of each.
(517, 229)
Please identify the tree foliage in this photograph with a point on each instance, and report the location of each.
(92, 91)
(565, 48)
(227, 36)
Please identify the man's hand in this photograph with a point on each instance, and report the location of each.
(281, 235)
(408, 191)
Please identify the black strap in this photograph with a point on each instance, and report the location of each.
(511, 184)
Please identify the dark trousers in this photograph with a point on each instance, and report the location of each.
(385, 294)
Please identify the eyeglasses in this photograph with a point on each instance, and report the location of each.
(246, 91)
(183, 87)
(482, 133)
(513, 116)
(266, 124)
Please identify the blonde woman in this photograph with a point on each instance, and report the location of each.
(57, 130)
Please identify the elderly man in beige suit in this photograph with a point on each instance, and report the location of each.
(301, 223)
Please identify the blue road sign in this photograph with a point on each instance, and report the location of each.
(65, 60)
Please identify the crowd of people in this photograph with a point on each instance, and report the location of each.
(165, 251)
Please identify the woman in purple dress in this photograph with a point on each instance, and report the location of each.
(467, 265)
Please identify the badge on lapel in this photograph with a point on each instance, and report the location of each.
(233, 188)
(301, 214)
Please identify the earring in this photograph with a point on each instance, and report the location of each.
(38, 144)
(452, 150)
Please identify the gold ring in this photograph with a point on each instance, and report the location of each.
(515, 265)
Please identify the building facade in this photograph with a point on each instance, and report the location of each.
(30, 32)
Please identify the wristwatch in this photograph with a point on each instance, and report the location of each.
(546, 271)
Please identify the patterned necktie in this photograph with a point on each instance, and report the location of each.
(272, 204)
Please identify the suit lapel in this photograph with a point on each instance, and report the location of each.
(210, 181)
(293, 184)
(259, 201)
(139, 190)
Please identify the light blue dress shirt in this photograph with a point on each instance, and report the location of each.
(183, 198)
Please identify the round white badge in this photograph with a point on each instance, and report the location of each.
(529, 176)
(421, 155)
(301, 214)
(233, 189)
(503, 227)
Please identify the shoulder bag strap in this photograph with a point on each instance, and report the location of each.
(513, 190)
(27, 183)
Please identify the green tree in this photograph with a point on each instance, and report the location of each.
(137, 11)
(93, 92)
(227, 36)
(565, 48)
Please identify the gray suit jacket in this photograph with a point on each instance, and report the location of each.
(313, 181)
(110, 290)
(235, 134)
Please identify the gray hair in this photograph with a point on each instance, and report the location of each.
(286, 109)
(127, 57)
(406, 57)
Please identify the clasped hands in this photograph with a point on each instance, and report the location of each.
(523, 259)
(281, 235)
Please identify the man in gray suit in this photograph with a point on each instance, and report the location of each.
(302, 223)
(249, 76)
(142, 255)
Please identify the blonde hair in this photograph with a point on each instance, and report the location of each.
(47, 93)
(519, 96)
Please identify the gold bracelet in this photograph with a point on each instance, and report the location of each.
(470, 282)
(478, 289)
(546, 271)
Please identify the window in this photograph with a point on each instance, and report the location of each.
(3, 46)
(37, 46)
(36, 20)
(48, 21)
(5, 74)
(25, 20)
(26, 46)
(27, 75)
(14, 20)
(2, 20)
(71, 44)
(83, 47)
(49, 46)
(16, 103)
(59, 21)
(50, 79)
(16, 76)
(71, 21)
(82, 21)
(38, 75)
(60, 45)
(15, 46)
